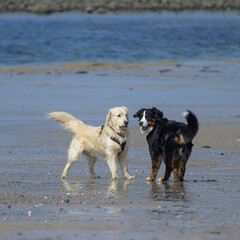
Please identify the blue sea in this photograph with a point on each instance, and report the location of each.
(27, 39)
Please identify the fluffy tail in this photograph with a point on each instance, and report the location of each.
(66, 120)
(192, 122)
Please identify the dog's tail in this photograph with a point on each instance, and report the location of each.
(66, 120)
(192, 122)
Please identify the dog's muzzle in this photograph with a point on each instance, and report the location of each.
(125, 124)
(144, 128)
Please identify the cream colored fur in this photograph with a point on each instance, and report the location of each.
(94, 141)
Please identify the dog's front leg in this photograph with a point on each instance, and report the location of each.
(111, 160)
(122, 158)
(156, 163)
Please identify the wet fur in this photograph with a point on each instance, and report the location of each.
(96, 141)
(169, 141)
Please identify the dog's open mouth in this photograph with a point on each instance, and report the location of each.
(144, 128)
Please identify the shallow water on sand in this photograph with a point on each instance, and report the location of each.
(35, 202)
(34, 199)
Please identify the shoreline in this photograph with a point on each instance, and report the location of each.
(91, 66)
(80, 67)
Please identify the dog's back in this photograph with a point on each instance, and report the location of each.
(167, 131)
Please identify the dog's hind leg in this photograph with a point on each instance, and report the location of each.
(92, 160)
(123, 164)
(168, 160)
(169, 157)
(175, 165)
(166, 175)
(175, 173)
(181, 169)
(186, 151)
(74, 152)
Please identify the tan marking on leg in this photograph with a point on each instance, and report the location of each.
(156, 163)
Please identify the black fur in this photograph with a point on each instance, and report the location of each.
(169, 141)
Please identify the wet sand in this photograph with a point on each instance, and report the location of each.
(80, 67)
(36, 204)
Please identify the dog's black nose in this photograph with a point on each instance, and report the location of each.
(140, 123)
(126, 123)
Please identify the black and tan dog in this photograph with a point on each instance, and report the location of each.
(168, 141)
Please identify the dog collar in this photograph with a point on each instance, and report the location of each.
(119, 134)
(101, 129)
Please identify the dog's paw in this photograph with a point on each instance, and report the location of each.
(130, 177)
(150, 179)
(161, 180)
(96, 177)
(115, 178)
(64, 177)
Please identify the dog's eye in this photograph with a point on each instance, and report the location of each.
(118, 115)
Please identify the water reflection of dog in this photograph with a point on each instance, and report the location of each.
(94, 186)
(167, 192)
(75, 188)
(120, 187)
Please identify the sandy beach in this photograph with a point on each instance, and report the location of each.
(36, 204)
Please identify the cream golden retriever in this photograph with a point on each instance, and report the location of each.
(109, 141)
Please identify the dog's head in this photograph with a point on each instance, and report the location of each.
(118, 117)
(147, 118)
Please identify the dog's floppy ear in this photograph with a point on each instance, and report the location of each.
(125, 108)
(138, 113)
(157, 113)
(109, 115)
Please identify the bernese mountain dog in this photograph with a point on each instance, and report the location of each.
(169, 141)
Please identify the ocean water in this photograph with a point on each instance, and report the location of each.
(144, 37)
